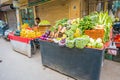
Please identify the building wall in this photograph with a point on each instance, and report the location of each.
(11, 18)
(3, 1)
(23, 3)
(74, 9)
(84, 8)
(58, 9)
(53, 11)
(2, 17)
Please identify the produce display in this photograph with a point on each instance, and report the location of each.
(72, 33)
(27, 32)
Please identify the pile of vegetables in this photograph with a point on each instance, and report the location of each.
(105, 20)
(95, 43)
(44, 22)
(24, 26)
(71, 33)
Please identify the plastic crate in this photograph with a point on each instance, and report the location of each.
(108, 56)
(116, 39)
(97, 33)
(117, 57)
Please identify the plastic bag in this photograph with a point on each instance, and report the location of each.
(112, 49)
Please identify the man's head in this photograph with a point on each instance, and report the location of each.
(37, 20)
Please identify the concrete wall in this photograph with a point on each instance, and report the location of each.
(2, 17)
(58, 9)
(53, 11)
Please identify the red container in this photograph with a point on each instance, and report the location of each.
(97, 33)
(117, 40)
(18, 38)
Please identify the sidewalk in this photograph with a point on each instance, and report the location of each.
(15, 66)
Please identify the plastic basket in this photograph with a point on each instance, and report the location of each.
(97, 33)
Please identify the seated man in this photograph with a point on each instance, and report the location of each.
(37, 21)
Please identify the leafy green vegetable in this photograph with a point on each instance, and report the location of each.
(86, 23)
(79, 43)
(82, 41)
(93, 45)
(89, 45)
(62, 22)
(74, 27)
(44, 22)
(70, 43)
(52, 29)
(99, 45)
(106, 20)
(102, 18)
(69, 33)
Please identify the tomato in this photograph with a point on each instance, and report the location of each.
(29, 28)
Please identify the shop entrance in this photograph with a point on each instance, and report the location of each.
(11, 19)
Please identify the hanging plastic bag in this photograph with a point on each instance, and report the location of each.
(112, 49)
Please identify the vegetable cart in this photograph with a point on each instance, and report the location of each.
(80, 64)
(76, 47)
(22, 45)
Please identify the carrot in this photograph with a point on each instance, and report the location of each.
(59, 28)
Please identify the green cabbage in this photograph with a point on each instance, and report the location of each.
(82, 41)
(70, 43)
(99, 45)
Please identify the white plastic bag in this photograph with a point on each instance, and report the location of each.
(112, 49)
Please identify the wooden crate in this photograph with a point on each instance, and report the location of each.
(43, 28)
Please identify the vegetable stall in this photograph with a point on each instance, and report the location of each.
(76, 47)
(24, 40)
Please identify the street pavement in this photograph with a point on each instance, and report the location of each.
(15, 66)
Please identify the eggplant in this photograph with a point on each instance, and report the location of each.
(62, 42)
